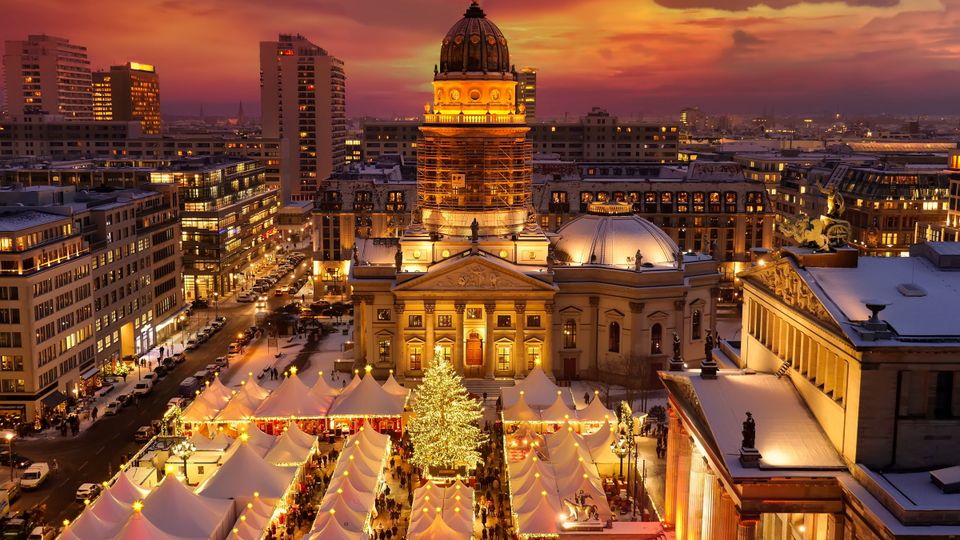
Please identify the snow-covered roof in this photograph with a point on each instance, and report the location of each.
(244, 473)
(558, 411)
(787, 435)
(126, 491)
(614, 240)
(595, 411)
(539, 390)
(520, 411)
(293, 398)
(138, 527)
(876, 279)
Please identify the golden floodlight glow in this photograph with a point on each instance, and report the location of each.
(137, 506)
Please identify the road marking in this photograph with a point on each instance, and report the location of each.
(85, 463)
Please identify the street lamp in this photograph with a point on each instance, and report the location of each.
(216, 304)
(9, 437)
(183, 450)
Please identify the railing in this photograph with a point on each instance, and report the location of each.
(474, 118)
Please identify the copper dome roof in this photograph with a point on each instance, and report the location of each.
(474, 44)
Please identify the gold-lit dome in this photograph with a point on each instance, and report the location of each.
(474, 45)
(612, 239)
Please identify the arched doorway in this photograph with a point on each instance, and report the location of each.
(474, 361)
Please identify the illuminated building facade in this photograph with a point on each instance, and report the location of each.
(47, 75)
(949, 229)
(854, 404)
(129, 93)
(227, 213)
(527, 91)
(884, 204)
(472, 277)
(303, 103)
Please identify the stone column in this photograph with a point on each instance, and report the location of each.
(594, 366)
(458, 345)
(429, 306)
(748, 526)
(398, 336)
(683, 485)
(359, 322)
(520, 364)
(727, 525)
(637, 362)
(695, 501)
(489, 357)
(673, 454)
(710, 505)
(679, 318)
(547, 358)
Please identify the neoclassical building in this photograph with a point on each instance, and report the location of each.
(475, 279)
(848, 366)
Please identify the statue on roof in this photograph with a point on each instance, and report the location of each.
(356, 254)
(398, 259)
(708, 347)
(749, 432)
(638, 261)
(835, 203)
(676, 347)
(474, 231)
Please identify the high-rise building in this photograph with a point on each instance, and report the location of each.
(130, 92)
(48, 75)
(303, 102)
(527, 91)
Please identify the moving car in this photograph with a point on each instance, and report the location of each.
(20, 462)
(112, 408)
(35, 475)
(87, 491)
(142, 388)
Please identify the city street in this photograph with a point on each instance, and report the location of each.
(95, 454)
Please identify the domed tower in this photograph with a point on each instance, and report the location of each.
(473, 159)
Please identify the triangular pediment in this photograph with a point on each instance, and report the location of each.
(477, 273)
(782, 280)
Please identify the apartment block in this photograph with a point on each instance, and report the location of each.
(47, 75)
(130, 92)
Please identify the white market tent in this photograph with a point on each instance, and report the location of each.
(391, 385)
(109, 510)
(126, 491)
(201, 409)
(322, 388)
(558, 412)
(220, 442)
(369, 399)
(138, 527)
(520, 411)
(244, 473)
(595, 412)
(195, 516)
(331, 526)
(293, 399)
(88, 526)
(354, 382)
(455, 518)
(539, 390)
(242, 405)
(253, 387)
(290, 451)
(541, 519)
(600, 444)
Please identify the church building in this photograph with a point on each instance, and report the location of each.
(475, 280)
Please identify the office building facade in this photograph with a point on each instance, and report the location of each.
(130, 92)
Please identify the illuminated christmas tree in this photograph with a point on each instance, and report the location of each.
(445, 429)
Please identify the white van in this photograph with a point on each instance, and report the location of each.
(35, 475)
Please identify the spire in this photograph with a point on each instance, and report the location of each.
(240, 114)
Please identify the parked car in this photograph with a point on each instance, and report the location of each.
(160, 371)
(19, 461)
(103, 390)
(152, 377)
(179, 358)
(168, 363)
(189, 386)
(192, 344)
(142, 388)
(179, 402)
(212, 368)
(221, 361)
(246, 297)
(125, 399)
(202, 376)
(144, 434)
(16, 528)
(201, 303)
(44, 532)
(221, 319)
(234, 348)
(12, 489)
(88, 491)
(35, 475)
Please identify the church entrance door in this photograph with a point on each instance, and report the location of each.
(474, 363)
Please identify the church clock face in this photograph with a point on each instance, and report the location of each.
(455, 94)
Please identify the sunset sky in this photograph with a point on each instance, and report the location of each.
(634, 57)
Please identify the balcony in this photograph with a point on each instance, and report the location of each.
(474, 119)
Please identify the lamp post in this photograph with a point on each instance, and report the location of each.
(9, 437)
(183, 450)
(216, 304)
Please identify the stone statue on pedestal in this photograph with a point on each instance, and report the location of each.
(398, 259)
(708, 347)
(638, 261)
(749, 432)
(676, 347)
(356, 255)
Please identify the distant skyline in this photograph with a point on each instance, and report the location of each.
(633, 57)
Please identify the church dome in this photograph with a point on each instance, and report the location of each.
(607, 237)
(474, 44)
